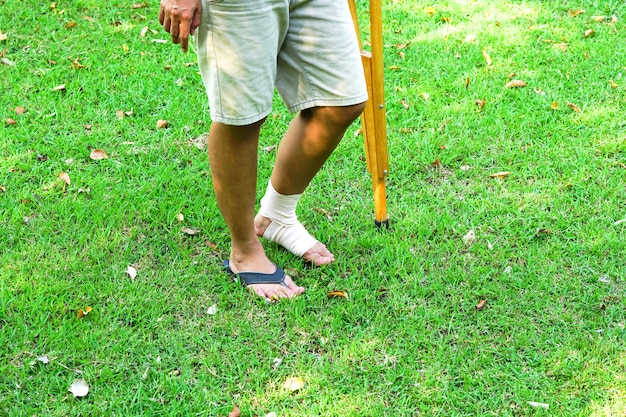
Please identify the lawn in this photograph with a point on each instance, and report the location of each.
(527, 317)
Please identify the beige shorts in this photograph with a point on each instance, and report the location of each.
(306, 49)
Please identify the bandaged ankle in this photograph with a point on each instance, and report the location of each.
(285, 229)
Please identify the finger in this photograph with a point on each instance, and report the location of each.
(167, 23)
(161, 15)
(184, 35)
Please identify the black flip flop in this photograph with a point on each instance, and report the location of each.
(250, 278)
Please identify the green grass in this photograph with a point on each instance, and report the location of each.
(548, 258)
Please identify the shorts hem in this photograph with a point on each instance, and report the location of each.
(240, 121)
(318, 102)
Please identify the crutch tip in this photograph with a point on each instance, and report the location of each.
(384, 224)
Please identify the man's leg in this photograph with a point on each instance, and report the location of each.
(310, 139)
(233, 158)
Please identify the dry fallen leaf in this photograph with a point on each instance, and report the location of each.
(515, 84)
(500, 175)
(337, 294)
(576, 12)
(436, 163)
(10, 121)
(469, 238)
(83, 312)
(404, 104)
(3, 188)
(613, 84)
(119, 114)
(470, 38)
(180, 217)
(481, 304)
(487, 57)
(554, 105)
(79, 388)
(538, 405)
(561, 46)
(98, 155)
(235, 412)
(294, 383)
(3, 36)
(59, 87)
(425, 96)
(65, 177)
(189, 231)
(430, 10)
(573, 107)
(589, 32)
(598, 18)
(480, 103)
(8, 62)
(20, 110)
(132, 272)
(143, 31)
(70, 25)
(160, 124)
(467, 82)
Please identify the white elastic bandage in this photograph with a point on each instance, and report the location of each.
(285, 229)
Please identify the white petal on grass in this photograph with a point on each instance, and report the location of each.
(489, 245)
(145, 374)
(132, 272)
(43, 359)
(294, 383)
(469, 238)
(212, 310)
(538, 405)
(272, 414)
(617, 223)
(79, 388)
(276, 363)
(605, 279)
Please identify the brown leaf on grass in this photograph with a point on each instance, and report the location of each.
(140, 5)
(70, 25)
(575, 12)
(65, 177)
(436, 163)
(9, 121)
(337, 294)
(235, 412)
(573, 107)
(589, 32)
(480, 103)
(401, 54)
(467, 82)
(59, 88)
(160, 124)
(403, 45)
(500, 175)
(598, 19)
(481, 304)
(3, 36)
(613, 84)
(543, 231)
(404, 104)
(119, 114)
(515, 84)
(3, 188)
(394, 68)
(554, 105)
(425, 96)
(561, 46)
(293, 383)
(77, 65)
(98, 155)
(144, 31)
(88, 18)
(487, 57)
(446, 19)
(190, 231)
(20, 110)
(83, 312)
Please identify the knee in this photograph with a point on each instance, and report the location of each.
(340, 116)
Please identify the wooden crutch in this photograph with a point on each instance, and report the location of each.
(374, 121)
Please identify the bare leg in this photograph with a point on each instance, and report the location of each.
(233, 158)
(310, 139)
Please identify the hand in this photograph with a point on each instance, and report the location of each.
(180, 18)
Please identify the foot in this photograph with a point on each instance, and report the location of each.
(271, 292)
(318, 254)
